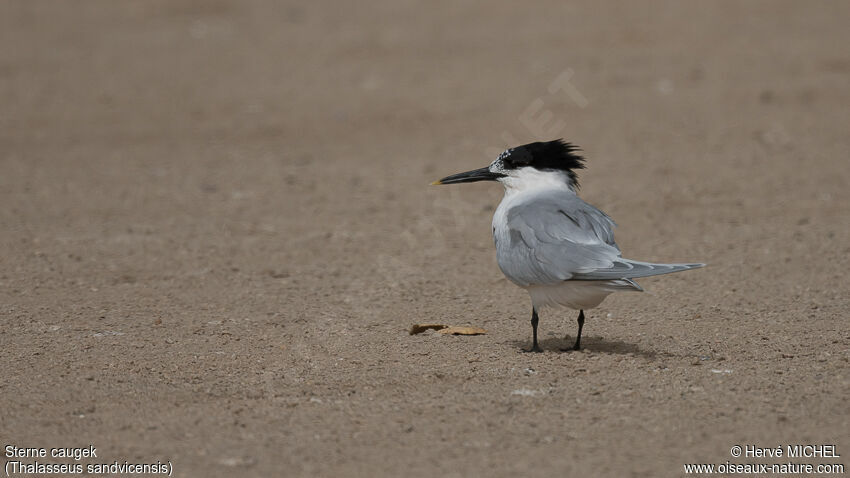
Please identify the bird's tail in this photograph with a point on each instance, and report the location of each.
(629, 269)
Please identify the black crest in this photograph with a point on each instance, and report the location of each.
(554, 155)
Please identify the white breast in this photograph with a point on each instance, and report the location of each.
(514, 255)
(505, 255)
(521, 187)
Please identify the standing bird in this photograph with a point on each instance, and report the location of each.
(548, 240)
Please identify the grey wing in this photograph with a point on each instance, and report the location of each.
(556, 238)
(629, 269)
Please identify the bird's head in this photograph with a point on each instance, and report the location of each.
(527, 166)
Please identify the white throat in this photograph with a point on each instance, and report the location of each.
(531, 179)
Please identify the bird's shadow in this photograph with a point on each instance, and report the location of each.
(588, 344)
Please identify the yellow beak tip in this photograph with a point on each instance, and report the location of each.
(436, 183)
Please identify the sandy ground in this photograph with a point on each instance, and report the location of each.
(216, 229)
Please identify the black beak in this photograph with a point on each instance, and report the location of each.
(482, 174)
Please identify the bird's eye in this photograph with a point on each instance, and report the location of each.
(515, 162)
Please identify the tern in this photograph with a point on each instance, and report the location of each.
(548, 240)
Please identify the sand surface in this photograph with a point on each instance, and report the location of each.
(217, 229)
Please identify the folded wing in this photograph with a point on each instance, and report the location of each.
(557, 236)
(554, 237)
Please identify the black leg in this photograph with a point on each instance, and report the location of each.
(577, 346)
(534, 321)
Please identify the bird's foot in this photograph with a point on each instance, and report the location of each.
(576, 346)
(535, 348)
